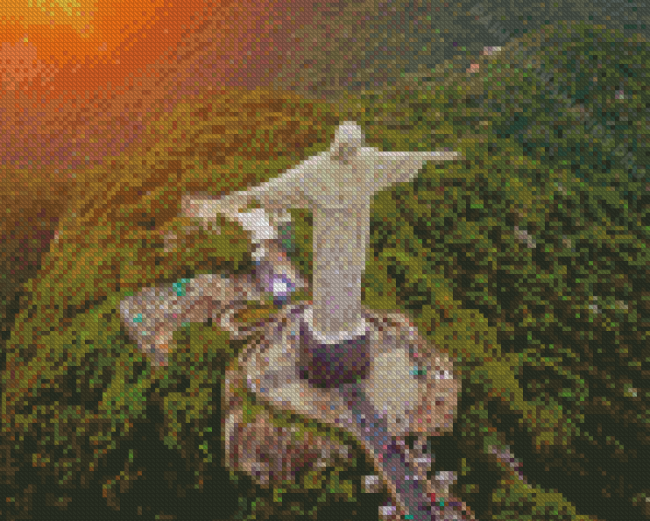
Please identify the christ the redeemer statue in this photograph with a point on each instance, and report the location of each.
(314, 359)
(338, 186)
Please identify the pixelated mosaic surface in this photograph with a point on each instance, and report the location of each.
(525, 263)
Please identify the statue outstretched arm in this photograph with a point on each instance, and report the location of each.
(387, 168)
(276, 196)
(348, 167)
(285, 191)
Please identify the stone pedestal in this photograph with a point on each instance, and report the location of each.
(385, 383)
(409, 383)
(330, 365)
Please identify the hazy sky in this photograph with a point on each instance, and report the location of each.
(105, 75)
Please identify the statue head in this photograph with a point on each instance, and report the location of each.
(348, 139)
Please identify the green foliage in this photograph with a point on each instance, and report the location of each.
(527, 263)
(557, 306)
(78, 394)
(340, 482)
(201, 351)
(300, 241)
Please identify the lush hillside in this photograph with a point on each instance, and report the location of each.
(527, 263)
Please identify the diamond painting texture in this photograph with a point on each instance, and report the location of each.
(129, 291)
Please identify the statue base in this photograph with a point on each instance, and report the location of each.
(330, 365)
(408, 381)
(384, 383)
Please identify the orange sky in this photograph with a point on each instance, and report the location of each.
(81, 83)
(55, 50)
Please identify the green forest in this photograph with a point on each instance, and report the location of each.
(526, 263)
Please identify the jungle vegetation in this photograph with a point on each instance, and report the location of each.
(527, 263)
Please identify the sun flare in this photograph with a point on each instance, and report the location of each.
(90, 42)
